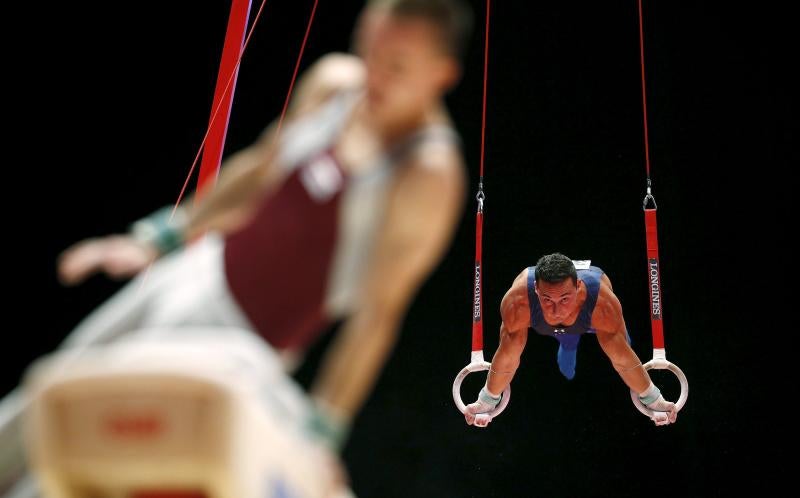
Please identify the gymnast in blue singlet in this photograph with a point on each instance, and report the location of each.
(568, 336)
(564, 299)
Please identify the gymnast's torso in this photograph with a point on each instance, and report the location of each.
(298, 262)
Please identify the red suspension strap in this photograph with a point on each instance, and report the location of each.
(214, 139)
(477, 362)
(477, 297)
(223, 94)
(650, 223)
(659, 360)
(477, 312)
(654, 276)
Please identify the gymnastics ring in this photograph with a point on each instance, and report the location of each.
(478, 366)
(661, 363)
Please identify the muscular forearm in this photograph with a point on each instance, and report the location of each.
(353, 363)
(635, 377)
(506, 361)
(625, 362)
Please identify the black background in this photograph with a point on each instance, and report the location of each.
(116, 100)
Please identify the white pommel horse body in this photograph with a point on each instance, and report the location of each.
(209, 418)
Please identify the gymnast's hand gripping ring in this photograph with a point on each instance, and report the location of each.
(660, 362)
(478, 365)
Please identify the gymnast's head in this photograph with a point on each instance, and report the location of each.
(411, 51)
(556, 287)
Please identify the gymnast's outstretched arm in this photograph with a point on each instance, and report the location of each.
(244, 178)
(423, 211)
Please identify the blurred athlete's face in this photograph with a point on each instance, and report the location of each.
(558, 301)
(408, 69)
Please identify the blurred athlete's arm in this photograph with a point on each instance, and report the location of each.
(244, 177)
(423, 211)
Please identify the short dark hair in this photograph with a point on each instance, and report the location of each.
(452, 17)
(555, 268)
